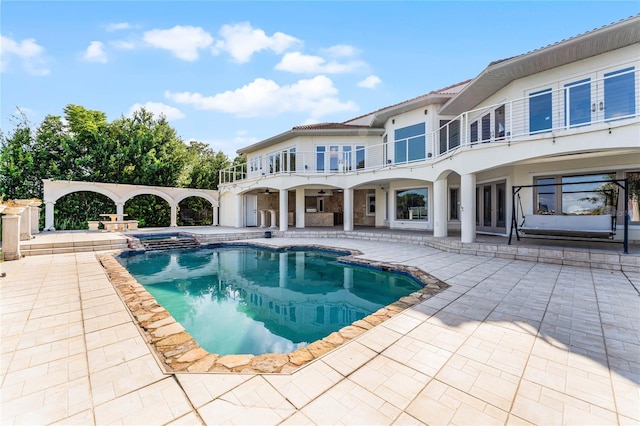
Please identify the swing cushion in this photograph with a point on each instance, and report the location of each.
(586, 226)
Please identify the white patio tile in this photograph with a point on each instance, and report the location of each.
(158, 403)
(204, 388)
(306, 383)
(253, 402)
(348, 357)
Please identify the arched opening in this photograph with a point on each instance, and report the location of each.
(149, 210)
(195, 211)
(74, 210)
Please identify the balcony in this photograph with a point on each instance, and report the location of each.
(587, 104)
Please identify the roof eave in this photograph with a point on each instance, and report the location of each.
(497, 76)
(361, 131)
(381, 117)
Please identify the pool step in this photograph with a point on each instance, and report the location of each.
(171, 243)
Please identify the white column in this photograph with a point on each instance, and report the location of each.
(263, 218)
(284, 209)
(174, 215)
(25, 224)
(468, 208)
(380, 207)
(348, 209)
(11, 236)
(35, 219)
(274, 218)
(216, 216)
(48, 215)
(300, 208)
(440, 208)
(120, 211)
(239, 212)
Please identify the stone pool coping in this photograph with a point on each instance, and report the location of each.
(179, 352)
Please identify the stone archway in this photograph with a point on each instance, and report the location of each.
(120, 193)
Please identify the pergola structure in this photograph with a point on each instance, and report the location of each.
(120, 193)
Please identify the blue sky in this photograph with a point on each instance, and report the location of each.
(233, 73)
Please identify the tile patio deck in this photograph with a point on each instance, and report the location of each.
(511, 342)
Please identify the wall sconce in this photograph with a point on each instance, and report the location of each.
(393, 121)
(426, 111)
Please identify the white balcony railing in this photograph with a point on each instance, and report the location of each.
(579, 105)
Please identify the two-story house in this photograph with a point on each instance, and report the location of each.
(551, 132)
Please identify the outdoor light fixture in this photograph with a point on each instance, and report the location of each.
(266, 191)
(321, 192)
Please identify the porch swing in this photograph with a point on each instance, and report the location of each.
(573, 227)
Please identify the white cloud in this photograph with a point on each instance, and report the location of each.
(95, 52)
(340, 51)
(117, 26)
(262, 97)
(158, 108)
(297, 62)
(121, 44)
(183, 42)
(31, 55)
(370, 82)
(241, 41)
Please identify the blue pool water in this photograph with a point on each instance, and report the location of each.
(248, 300)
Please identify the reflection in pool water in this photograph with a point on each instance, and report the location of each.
(248, 300)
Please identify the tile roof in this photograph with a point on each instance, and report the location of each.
(328, 126)
(449, 90)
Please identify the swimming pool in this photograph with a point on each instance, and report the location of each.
(250, 300)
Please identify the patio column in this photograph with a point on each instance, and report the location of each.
(25, 224)
(48, 215)
(300, 210)
(284, 209)
(216, 216)
(35, 218)
(174, 215)
(348, 209)
(120, 211)
(440, 208)
(468, 208)
(381, 208)
(239, 212)
(11, 236)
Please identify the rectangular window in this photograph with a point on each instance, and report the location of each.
(371, 204)
(410, 143)
(499, 123)
(360, 157)
(576, 195)
(540, 111)
(577, 103)
(348, 158)
(449, 135)
(619, 94)
(320, 150)
(292, 159)
(580, 198)
(411, 204)
(454, 205)
(546, 196)
(474, 132)
(400, 151)
(334, 157)
(486, 128)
